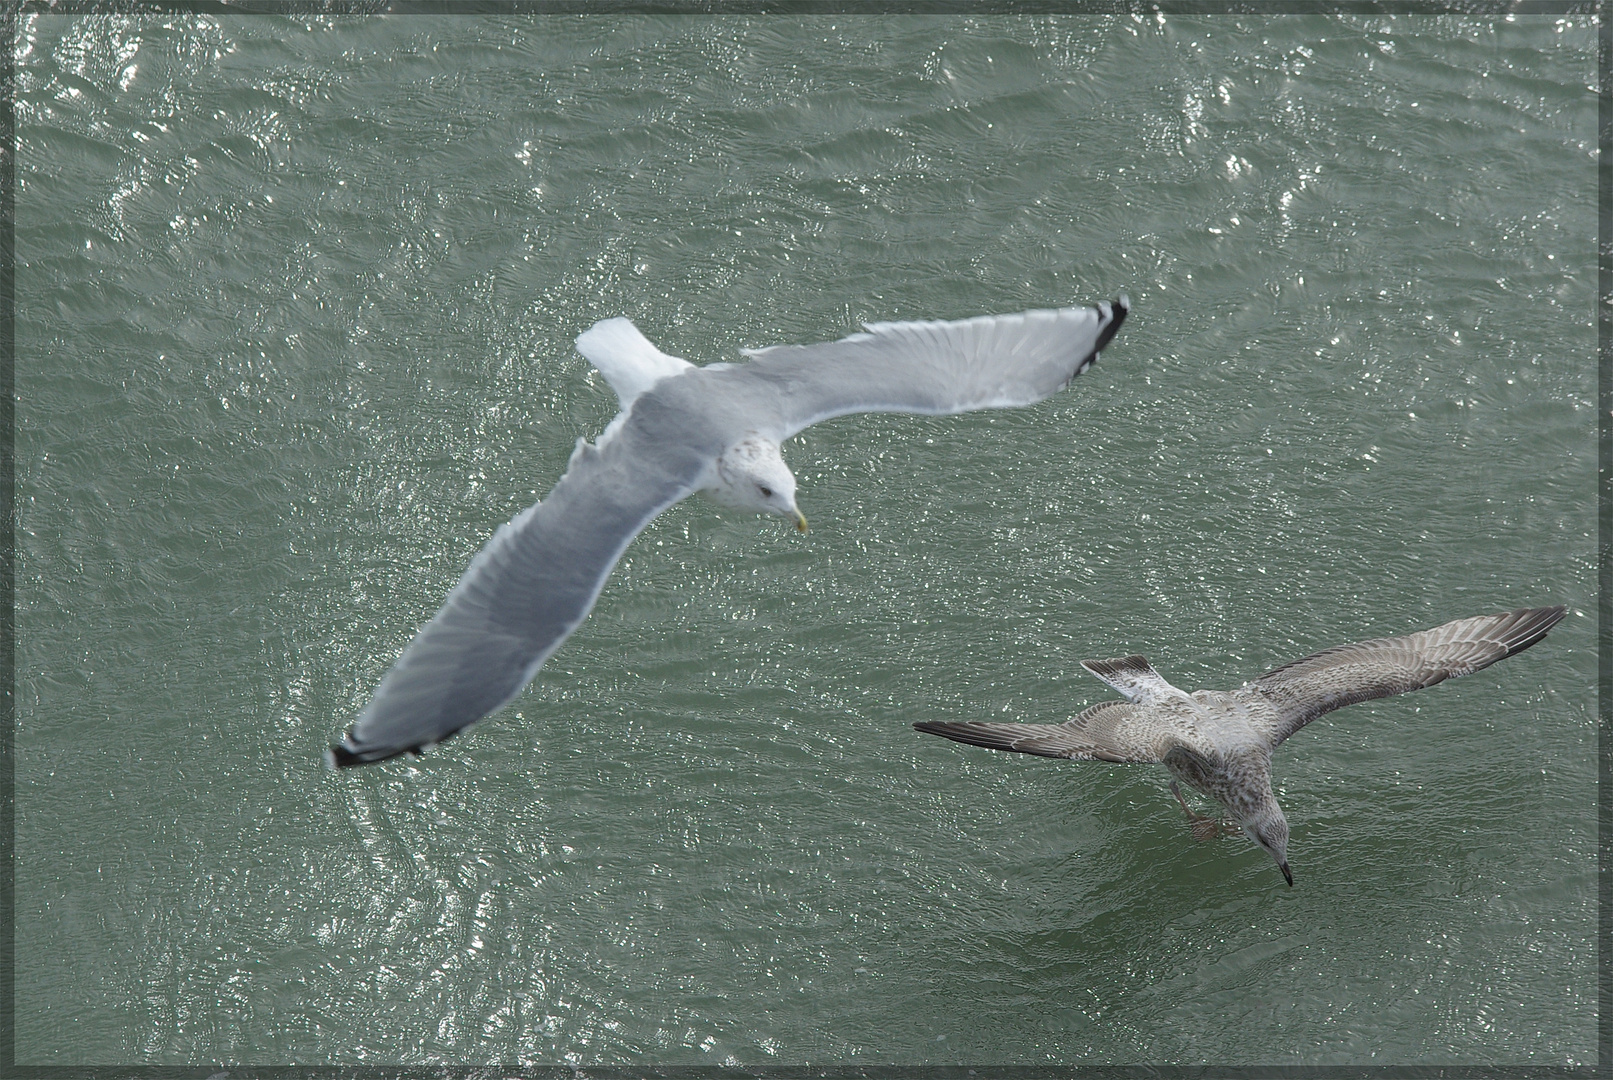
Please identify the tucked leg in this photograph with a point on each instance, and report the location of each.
(1203, 828)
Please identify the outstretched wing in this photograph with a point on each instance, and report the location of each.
(1113, 731)
(524, 594)
(1345, 674)
(989, 362)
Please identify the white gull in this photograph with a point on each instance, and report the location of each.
(684, 429)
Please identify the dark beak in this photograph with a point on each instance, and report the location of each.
(1288, 875)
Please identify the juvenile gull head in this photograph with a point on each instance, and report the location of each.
(684, 429)
(1220, 743)
(1267, 827)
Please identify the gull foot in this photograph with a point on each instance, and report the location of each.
(1203, 828)
(1208, 828)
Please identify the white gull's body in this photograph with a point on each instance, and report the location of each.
(1220, 742)
(684, 429)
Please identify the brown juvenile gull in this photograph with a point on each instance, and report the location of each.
(684, 429)
(1220, 742)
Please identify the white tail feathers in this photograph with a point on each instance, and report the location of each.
(626, 358)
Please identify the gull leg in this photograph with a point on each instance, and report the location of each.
(1203, 828)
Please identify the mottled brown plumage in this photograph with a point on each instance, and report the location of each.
(1220, 742)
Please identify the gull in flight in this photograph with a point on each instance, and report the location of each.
(1220, 742)
(683, 429)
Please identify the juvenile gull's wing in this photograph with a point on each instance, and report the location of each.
(524, 594)
(988, 362)
(1113, 731)
(1345, 674)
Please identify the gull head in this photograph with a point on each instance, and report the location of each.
(1268, 828)
(751, 475)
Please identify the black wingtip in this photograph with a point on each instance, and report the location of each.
(1532, 626)
(1118, 310)
(343, 756)
(340, 757)
(947, 729)
(348, 754)
(1115, 312)
(972, 735)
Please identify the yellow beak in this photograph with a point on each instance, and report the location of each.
(800, 522)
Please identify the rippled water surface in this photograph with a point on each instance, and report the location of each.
(295, 304)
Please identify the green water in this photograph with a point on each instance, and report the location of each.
(295, 303)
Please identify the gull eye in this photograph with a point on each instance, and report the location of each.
(767, 492)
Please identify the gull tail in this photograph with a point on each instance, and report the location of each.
(627, 359)
(1134, 678)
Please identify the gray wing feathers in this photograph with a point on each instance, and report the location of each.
(524, 593)
(993, 361)
(1113, 731)
(1305, 689)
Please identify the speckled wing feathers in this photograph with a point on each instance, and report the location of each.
(1113, 731)
(1345, 674)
